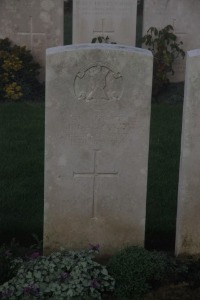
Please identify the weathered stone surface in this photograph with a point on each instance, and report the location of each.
(97, 139)
(183, 15)
(36, 24)
(114, 18)
(188, 220)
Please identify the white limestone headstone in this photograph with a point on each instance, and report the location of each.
(114, 18)
(183, 15)
(188, 220)
(97, 139)
(35, 24)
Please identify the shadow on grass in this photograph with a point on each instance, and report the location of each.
(21, 170)
(163, 172)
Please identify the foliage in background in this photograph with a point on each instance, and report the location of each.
(18, 73)
(166, 49)
(102, 39)
(136, 271)
(61, 275)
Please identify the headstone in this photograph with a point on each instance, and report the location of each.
(115, 19)
(183, 15)
(188, 220)
(97, 138)
(35, 24)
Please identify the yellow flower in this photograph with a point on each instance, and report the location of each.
(11, 62)
(13, 91)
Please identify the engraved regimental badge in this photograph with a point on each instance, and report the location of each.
(98, 82)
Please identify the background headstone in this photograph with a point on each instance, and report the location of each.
(115, 19)
(36, 24)
(183, 15)
(188, 219)
(96, 149)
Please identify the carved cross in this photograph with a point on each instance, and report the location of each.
(94, 175)
(31, 33)
(102, 31)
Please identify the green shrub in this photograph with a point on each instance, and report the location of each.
(18, 73)
(62, 275)
(136, 271)
(165, 48)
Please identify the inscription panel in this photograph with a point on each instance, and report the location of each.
(103, 8)
(102, 129)
(159, 9)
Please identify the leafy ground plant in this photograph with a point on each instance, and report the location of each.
(63, 275)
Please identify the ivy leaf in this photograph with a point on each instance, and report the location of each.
(100, 39)
(94, 40)
(37, 275)
(104, 272)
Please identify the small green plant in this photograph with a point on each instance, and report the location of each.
(18, 73)
(136, 271)
(166, 49)
(63, 275)
(102, 39)
(38, 245)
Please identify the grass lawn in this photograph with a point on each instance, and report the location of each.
(21, 170)
(166, 121)
(22, 167)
